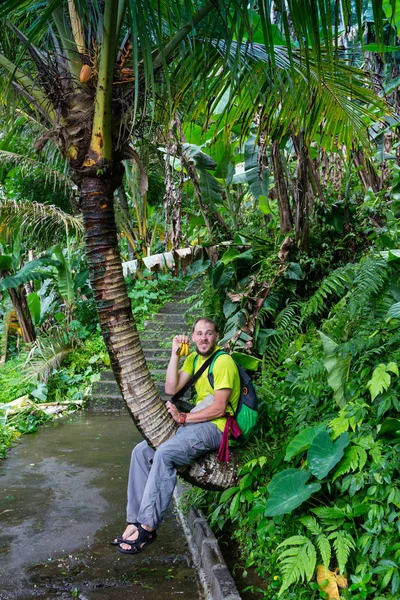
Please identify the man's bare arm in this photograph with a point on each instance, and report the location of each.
(216, 410)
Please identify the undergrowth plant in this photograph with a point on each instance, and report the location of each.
(325, 492)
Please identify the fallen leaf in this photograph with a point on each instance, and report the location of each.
(333, 580)
(342, 581)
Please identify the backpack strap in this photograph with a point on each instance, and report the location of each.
(210, 370)
(194, 377)
(211, 375)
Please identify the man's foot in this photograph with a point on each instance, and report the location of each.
(130, 531)
(142, 537)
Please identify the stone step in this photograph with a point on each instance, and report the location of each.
(108, 385)
(170, 314)
(173, 308)
(158, 363)
(157, 353)
(168, 328)
(101, 402)
(167, 318)
(159, 343)
(105, 387)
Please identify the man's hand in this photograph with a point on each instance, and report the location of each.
(173, 411)
(177, 341)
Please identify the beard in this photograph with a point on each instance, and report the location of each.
(206, 352)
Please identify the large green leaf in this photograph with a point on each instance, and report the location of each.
(200, 159)
(34, 307)
(32, 271)
(390, 427)
(392, 12)
(337, 367)
(233, 254)
(390, 255)
(288, 490)
(262, 338)
(210, 188)
(324, 454)
(220, 275)
(64, 276)
(222, 153)
(230, 307)
(303, 441)
(258, 186)
(293, 271)
(381, 380)
(229, 256)
(246, 361)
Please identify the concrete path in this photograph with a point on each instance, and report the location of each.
(62, 499)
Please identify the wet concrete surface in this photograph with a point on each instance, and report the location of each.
(62, 499)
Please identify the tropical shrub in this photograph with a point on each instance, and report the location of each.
(321, 484)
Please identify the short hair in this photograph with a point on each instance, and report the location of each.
(207, 320)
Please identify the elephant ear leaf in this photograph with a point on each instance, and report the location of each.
(288, 490)
(303, 441)
(324, 454)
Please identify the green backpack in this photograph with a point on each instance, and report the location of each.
(247, 409)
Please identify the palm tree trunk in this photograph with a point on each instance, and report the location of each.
(302, 193)
(115, 314)
(20, 304)
(366, 172)
(121, 336)
(285, 213)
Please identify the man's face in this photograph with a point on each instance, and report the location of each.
(205, 338)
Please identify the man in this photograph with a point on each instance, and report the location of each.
(152, 474)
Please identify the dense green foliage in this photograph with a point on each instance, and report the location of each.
(320, 484)
(281, 138)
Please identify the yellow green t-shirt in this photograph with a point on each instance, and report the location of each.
(225, 374)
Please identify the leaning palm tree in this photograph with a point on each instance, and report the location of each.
(97, 75)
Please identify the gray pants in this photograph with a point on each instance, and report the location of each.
(152, 473)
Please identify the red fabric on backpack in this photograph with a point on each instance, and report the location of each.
(231, 427)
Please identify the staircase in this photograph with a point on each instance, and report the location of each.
(156, 340)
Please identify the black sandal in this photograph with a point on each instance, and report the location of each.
(144, 539)
(120, 539)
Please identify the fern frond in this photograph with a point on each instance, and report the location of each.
(335, 285)
(331, 516)
(343, 544)
(287, 324)
(311, 524)
(298, 562)
(325, 549)
(321, 540)
(370, 278)
(286, 316)
(308, 380)
(354, 458)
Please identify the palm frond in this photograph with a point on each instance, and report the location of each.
(57, 178)
(48, 354)
(38, 219)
